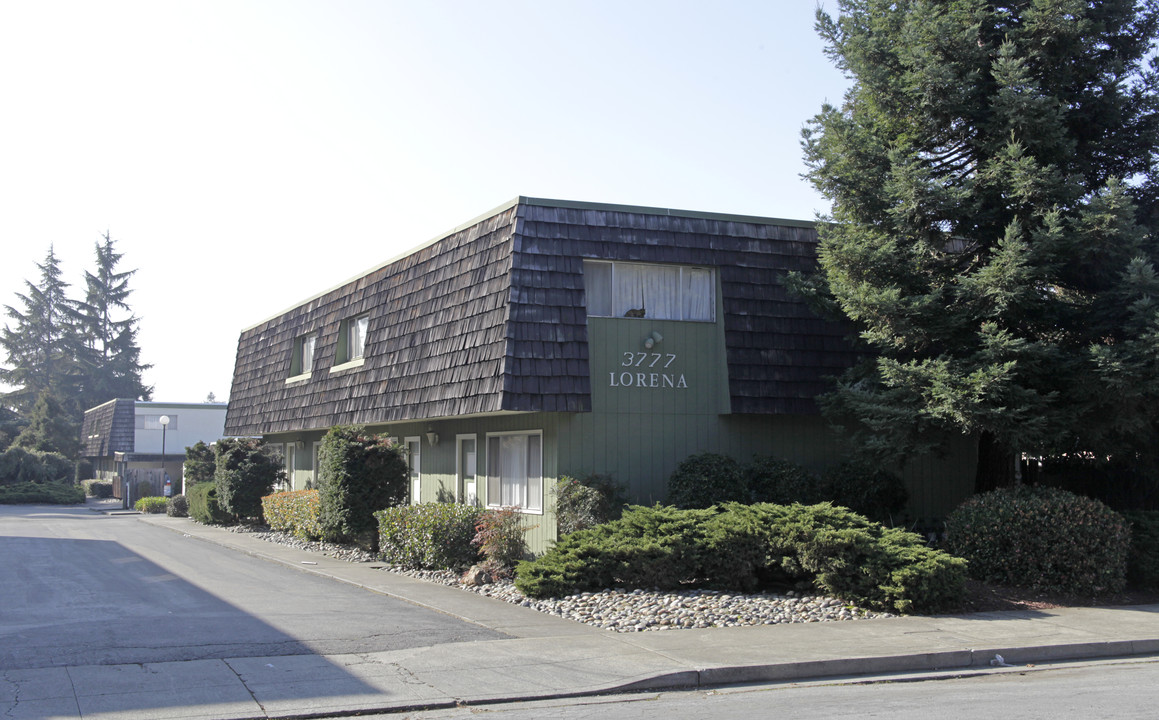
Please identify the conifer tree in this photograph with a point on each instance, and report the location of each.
(992, 238)
(50, 428)
(110, 360)
(42, 343)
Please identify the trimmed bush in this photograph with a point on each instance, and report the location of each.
(178, 506)
(1041, 538)
(29, 493)
(98, 488)
(742, 547)
(18, 465)
(865, 489)
(294, 512)
(84, 470)
(773, 480)
(429, 535)
(151, 505)
(580, 504)
(359, 473)
(204, 507)
(499, 537)
(707, 479)
(1143, 560)
(247, 470)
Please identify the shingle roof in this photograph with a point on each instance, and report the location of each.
(492, 317)
(108, 429)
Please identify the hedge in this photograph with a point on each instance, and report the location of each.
(429, 535)
(204, 507)
(29, 493)
(743, 547)
(294, 512)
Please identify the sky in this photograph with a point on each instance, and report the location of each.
(245, 155)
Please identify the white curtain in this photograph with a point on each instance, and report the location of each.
(308, 353)
(513, 467)
(598, 288)
(654, 289)
(514, 475)
(357, 339)
(699, 294)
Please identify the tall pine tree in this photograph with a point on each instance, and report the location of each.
(110, 359)
(42, 343)
(992, 173)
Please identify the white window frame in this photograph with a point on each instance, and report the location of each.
(493, 484)
(315, 448)
(347, 356)
(682, 276)
(299, 357)
(468, 497)
(414, 483)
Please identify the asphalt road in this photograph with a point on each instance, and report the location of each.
(82, 588)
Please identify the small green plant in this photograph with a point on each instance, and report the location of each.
(499, 537)
(151, 505)
(1143, 560)
(98, 488)
(773, 480)
(865, 489)
(706, 479)
(51, 493)
(204, 507)
(580, 504)
(428, 535)
(294, 512)
(178, 506)
(1042, 538)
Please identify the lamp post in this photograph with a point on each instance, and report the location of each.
(164, 420)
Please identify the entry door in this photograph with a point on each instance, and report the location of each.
(465, 463)
(414, 448)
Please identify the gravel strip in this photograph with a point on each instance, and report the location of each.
(623, 610)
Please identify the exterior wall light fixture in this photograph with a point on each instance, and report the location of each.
(652, 340)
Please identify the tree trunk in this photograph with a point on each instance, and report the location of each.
(995, 465)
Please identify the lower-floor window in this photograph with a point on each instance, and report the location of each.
(515, 471)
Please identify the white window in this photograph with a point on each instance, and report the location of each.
(466, 490)
(302, 361)
(153, 422)
(352, 339)
(658, 292)
(515, 471)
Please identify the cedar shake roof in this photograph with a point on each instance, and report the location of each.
(108, 429)
(492, 318)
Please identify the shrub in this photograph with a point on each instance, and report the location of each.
(200, 464)
(746, 546)
(580, 504)
(84, 470)
(151, 505)
(703, 480)
(247, 470)
(294, 512)
(429, 535)
(772, 480)
(870, 491)
(1143, 559)
(1041, 538)
(98, 488)
(41, 493)
(204, 506)
(178, 506)
(499, 537)
(18, 465)
(359, 473)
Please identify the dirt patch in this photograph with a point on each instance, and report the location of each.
(985, 597)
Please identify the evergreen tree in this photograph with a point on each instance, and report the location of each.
(42, 344)
(50, 428)
(992, 232)
(111, 358)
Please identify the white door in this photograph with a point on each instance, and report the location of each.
(414, 448)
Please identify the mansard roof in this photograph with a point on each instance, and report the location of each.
(492, 318)
(108, 428)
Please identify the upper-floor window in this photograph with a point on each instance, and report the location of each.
(658, 292)
(302, 361)
(153, 422)
(352, 339)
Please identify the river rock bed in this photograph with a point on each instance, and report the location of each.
(622, 610)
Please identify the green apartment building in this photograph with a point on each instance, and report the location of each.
(550, 338)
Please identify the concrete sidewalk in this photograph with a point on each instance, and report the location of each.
(550, 657)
